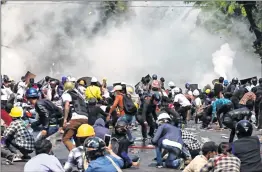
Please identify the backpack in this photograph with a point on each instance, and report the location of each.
(129, 106)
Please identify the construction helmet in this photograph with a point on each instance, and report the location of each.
(129, 90)
(82, 82)
(16, 112)
(85, 130)
(207, 91)
(69, 85)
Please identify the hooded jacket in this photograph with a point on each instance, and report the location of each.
(100, 128)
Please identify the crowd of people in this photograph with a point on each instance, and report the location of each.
(96, 124)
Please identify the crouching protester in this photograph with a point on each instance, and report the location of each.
(247, 147)
(231, 118)
(100, 158)
(120, 143)
(50, 116)
(209, 150)
(17, 137)
(43, 161)
(76, 156)
(223, 162)
(168, 137)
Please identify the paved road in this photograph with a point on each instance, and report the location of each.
(147, 165)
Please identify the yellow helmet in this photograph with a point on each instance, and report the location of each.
(129, 90)
(82, 82)
(85, 130)
(16, 112)
(207, 91)
(104, 79)
(69, 85)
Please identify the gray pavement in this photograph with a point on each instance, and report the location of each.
(146, 154)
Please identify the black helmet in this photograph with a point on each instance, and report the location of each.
(5, 78)
(94, 147)
(260, 80)
(162, 79)
(154, 77)
(221, 80)
(156, 96)
(235, 80)
(121, 127)
(244, 129)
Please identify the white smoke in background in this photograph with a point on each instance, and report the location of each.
(223, 61)
(162, 40)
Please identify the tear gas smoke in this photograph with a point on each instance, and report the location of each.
(58, 37)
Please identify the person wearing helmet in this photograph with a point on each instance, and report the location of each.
(17, 136)
(81, 87)
(249, 95)
(120, 143)
(95, 112)
(162, 83)
(93, 91)
(147, 114)
(197, 103)
(182, 104)
(75, 157)
(233, 86)
(254, 82)
(50, 116)
(20, 89)
(168, 137)
(60, 88)
(225, 83)
(154, 77)
(101, 158)
(231, 118)
(247, 147)
(44, 160)
(6, 92)
(75, 113)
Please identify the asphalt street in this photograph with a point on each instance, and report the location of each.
(147, 155)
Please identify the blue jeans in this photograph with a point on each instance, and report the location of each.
(51, 130)
(173, 154)
(128, 119)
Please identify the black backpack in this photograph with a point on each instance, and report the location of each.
(129, 106)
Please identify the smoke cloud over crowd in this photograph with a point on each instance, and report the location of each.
(58, 39)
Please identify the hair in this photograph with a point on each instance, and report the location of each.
(223, 147)
(209, 147)
(43, 146)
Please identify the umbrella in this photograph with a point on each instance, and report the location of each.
(87, 80)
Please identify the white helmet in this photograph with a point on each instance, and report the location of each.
(176, 90)
(171, 84)
(94, 79)
(163, 116)
(196, 92)
(73, 79)
(190, 93)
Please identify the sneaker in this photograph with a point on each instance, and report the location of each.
(159, 166)
(16, 158)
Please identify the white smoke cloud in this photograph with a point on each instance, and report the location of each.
(161, 40)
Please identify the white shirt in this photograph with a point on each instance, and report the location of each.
(5, 93)
(197, 101)
(67, 97)
(21, 89)
(182, 100)
(81, 89)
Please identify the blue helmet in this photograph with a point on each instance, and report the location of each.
(32, 93)
(225, 82)
(64, 78)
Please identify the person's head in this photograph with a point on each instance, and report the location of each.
(244, 129)
(121, 127)
(94, 147)
(43, 146)
(47, 79)
(254, 90)
(207, 91)
(6, 80)
(221, 80)
(176, 90)
(254, 81)
(218, 90)
(23, 78)
(196, 93)
(63, 79)
(250, 104)
(32, 95)
(104, 80)
(171, 84)
(117, 89)
(92, 101)
(156, 98)
(223, 147)
(162, 79)
(84, 131)
(154, 77)
(16, 112)
(69, 85)
(31, 80)
(187, 85)
(94, 81)
(163, 118)
(235, 81)
(209, 149)
(260, 81)
(82, 82)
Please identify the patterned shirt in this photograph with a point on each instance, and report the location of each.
(75, 158)
(246, 97)
(190, 140)
(222, 162)
(218, 103)
(23, 138)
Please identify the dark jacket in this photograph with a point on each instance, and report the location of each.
(95, 112)
(100, 128)
(167, 131)
(247, 149)
(147, 108)
(49, 113)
